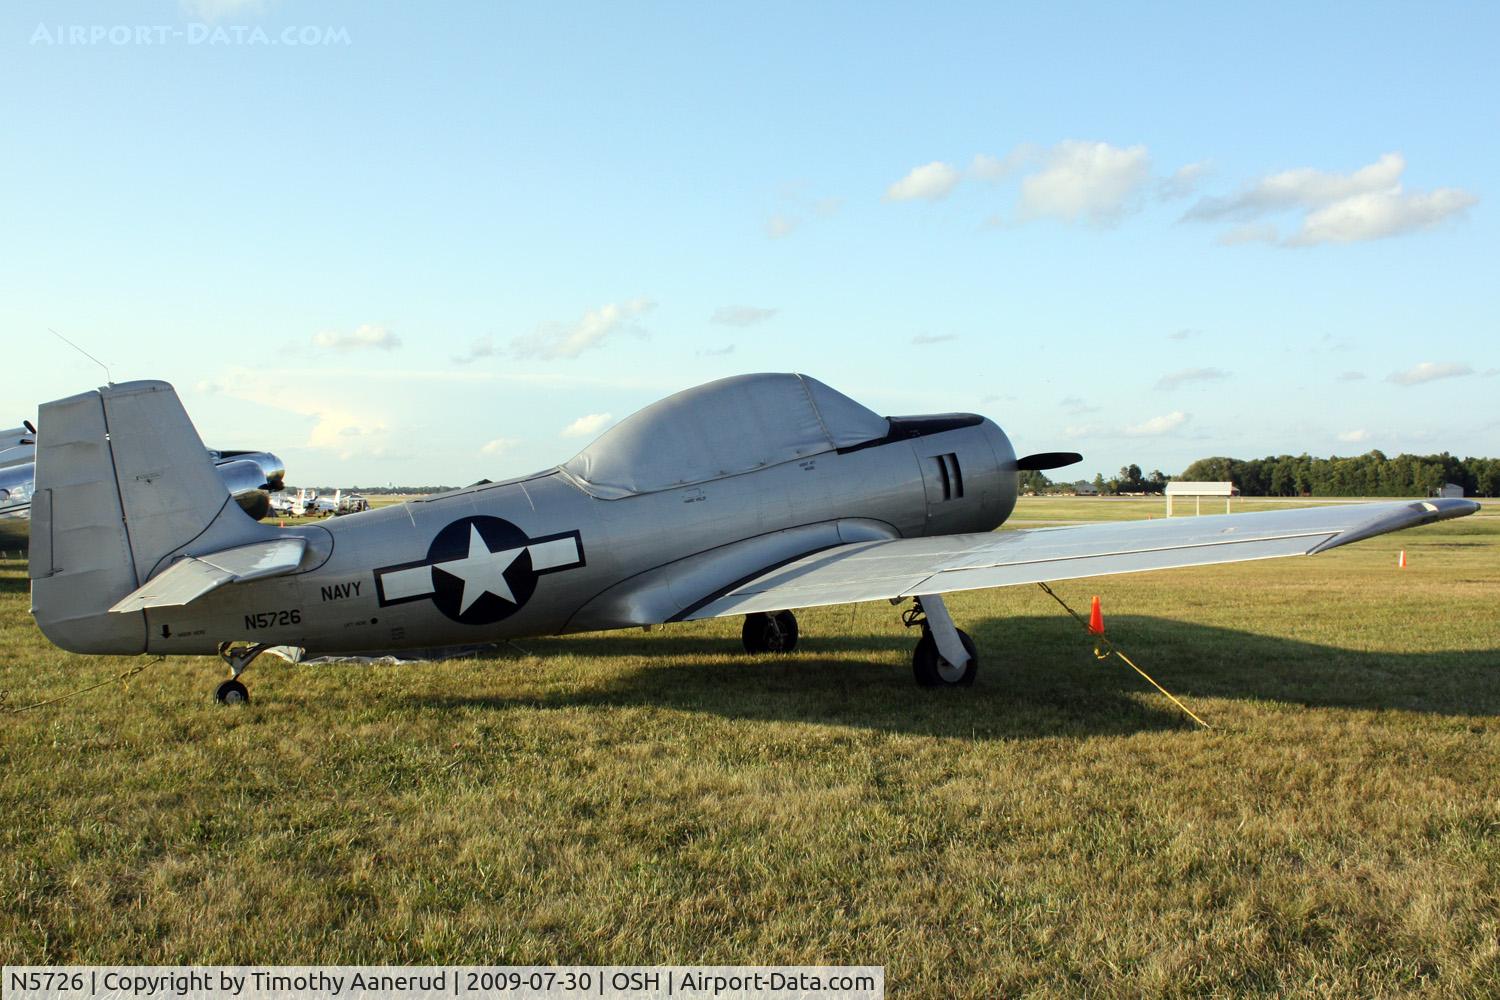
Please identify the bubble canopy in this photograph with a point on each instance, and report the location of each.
(719, 429)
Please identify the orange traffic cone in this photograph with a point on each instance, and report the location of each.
(1401, 560)
(1096, 618)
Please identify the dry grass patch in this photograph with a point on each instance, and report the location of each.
(661, 797)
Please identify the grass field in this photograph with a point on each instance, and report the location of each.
(1058, 830)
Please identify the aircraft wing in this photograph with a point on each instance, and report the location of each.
(191, 577)
(906, 567)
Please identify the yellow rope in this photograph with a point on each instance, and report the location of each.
(1104, 649)
(125, 675)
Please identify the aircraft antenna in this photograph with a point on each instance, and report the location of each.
(107, 377)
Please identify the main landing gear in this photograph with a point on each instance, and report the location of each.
(232, 692)
(773, 633)
(945, 655)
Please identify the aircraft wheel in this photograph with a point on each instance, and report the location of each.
(232, 693)
(765, 633)
(935, 672)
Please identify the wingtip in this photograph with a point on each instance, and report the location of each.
(1446, 507)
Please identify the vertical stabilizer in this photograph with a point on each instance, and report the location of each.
(123, 482)
(168, 487)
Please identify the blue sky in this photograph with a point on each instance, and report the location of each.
(421, 244)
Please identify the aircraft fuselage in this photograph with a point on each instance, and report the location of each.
(541, 556)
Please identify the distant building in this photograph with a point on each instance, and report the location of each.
(1451, 490)
(1200, 490)
(1085, 489)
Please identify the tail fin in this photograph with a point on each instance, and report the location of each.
(122, 483)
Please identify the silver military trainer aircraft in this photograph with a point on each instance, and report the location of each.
(747, 496)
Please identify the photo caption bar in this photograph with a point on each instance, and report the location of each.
(440, 982)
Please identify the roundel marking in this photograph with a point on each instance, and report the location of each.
(479, 570)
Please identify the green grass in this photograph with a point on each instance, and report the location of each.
(659, 797)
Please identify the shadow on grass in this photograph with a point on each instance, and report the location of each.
(13, 578)
(1038, 677)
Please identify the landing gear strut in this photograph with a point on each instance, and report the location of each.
(232, 692)
(945, 655)
(774, 633)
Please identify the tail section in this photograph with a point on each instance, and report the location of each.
(123, 482)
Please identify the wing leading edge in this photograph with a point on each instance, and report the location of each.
(878, 570)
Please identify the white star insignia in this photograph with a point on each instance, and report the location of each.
(482, 571)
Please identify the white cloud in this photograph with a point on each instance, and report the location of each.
(741, 315)
(1301, 188)
(1183, 376)
(365, 336)
(588, 424)
(827, 208)
(1085, 181)
(933, 338)
(551, 341)
(988, 168)
(780, 225)
(716, 352)
(1183, 182)
(1077, 405)
(498, 446)
(797, 205)
(1355, 437)
(932, 182)
(1429, 371)
(1251, 232)
(1367, 204)
(1351, 377)
(1156, 426)
(1381, 214)
(338, 430)
(552, 379)
(346, 427)
(1186, 333)
(482, 347)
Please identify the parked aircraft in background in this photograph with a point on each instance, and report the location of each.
(321, 506)
(338, 505)
(17, 445)
(250, 476)
(747, 496)
(17, 452)
(286, 505)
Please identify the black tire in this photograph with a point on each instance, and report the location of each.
(232, 693)
(935, 672)
(765, 633)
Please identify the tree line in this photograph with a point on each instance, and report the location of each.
(1372, 474)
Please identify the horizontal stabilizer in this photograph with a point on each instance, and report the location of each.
(191, 577)
(877, 570)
